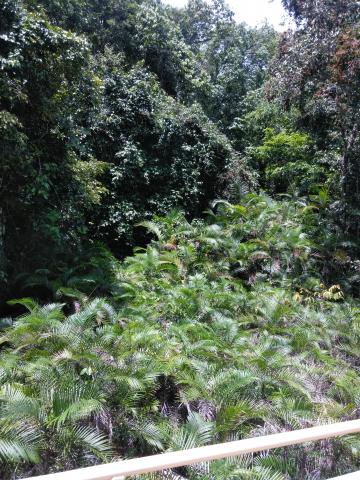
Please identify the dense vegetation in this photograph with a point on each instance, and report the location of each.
(139, 313)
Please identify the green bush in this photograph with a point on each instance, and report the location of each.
(287, 162)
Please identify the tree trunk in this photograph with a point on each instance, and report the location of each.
(2, 249)
(349, 176)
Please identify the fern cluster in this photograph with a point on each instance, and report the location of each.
(218, 330)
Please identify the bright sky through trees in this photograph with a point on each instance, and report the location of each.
(252, 12)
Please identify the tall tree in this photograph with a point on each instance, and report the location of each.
(318, 70)
(41, 190)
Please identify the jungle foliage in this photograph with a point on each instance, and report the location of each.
(111, 113)
(138, 313)
(219, 329)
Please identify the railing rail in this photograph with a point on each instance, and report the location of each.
(125, 468)
(349, 476)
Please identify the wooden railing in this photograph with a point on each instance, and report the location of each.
(349, 476)
(127, 468)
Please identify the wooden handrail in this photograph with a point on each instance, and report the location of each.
(181, 458)
(349, 476)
